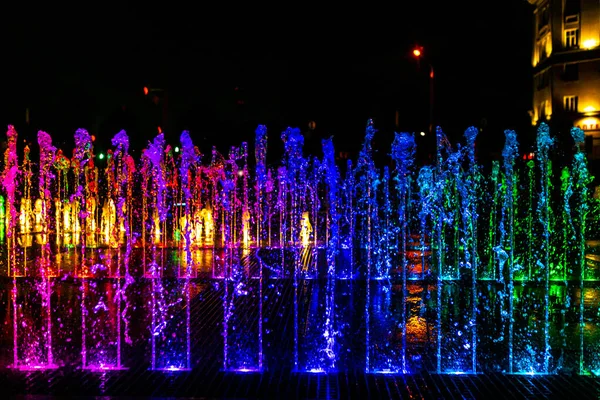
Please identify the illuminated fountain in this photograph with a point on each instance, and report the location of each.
(169, 336)
(25, 211)
(243, 270)
(403, 152)
(366, 203)
(32, 287)
(467, 185)
(292, 178)
(306, 229)
(100, 319)
(531, 343)
(112, 228)
(188, 158)
(122, 170)
(378, 312)
(506, 243)
(580, 180)
(2, 219)
(328, 348)
(391, 268)
(347, 225)
(261, 186)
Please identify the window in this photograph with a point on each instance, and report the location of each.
(572, 38)
(543, 47)
(571, 72)
(571, 19)
(543, 18)
(542, 80)
(571, 10)
(571, 103)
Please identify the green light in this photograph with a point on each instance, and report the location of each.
(2, 211)
(101, 156)
(176, 149)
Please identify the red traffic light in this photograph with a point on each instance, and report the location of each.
(145, 91)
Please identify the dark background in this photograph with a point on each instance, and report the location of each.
(223, 72)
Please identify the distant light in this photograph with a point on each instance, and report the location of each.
(417, 52)
(101, 156)
(146, 91)
(246, 370)
(422, 133)
(93, 138)
(241, 172)
(159, 129)
(316, 371)
(590, 43)
(176, 149)
(589, 109)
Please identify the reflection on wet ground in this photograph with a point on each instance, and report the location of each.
(94, 332)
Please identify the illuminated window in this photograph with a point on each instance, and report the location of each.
(570, 103)
(571, 72)
(572, 38)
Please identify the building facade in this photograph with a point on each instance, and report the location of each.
(566, 65)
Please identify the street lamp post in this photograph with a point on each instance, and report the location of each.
(418, 54)
(156, 91)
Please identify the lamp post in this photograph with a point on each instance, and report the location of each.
(418, 55)
(155, 100)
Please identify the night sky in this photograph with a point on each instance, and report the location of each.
(224, 72)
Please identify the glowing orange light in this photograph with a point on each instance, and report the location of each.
(417, 52)
(93, 138)
(159, 130)
(145, 91)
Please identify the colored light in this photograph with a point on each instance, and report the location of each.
(176, 149)
(590, 44)
(101, 156)
(422, 133)
(159, 129)
(146, 91)
(417, 53)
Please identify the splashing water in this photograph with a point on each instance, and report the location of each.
(421, 249)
